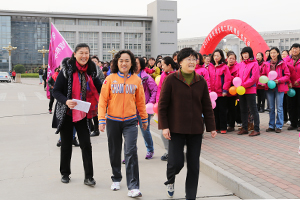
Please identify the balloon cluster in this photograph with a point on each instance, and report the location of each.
(269, 80)
(237, 88)
(151, 109)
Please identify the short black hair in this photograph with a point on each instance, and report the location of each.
(105, 69)
(184, 53)
(175, 54)
(247, 50)
(287, 51)
(96, 57)
(279, 58)
(151, 58)
(114, 66)
(230, 53)
(267, 51)
(221, 54)
(200, 57)
(169, 61)
(142, 63)
(296, 45)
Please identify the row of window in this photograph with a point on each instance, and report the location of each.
(289, 39)
(103, 23)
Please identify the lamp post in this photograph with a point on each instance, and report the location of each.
(113, 52)
(9, 49)
(43, 51)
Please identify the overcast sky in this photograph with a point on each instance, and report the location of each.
(198, 17)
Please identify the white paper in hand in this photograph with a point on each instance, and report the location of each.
(82, 105)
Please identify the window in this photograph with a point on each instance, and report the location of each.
(88, 22)
(296, 39)
(286, 40)
(69, 37)
(166, 43)
(167, 32)
(147, 26)
(286, 47)
(292, 39)
(148, 36)
(148, 47)
(65, 21)
(91, 39)
(167, 21)
(111, 23)
(133, 24)
(166, 9)
(281, 40)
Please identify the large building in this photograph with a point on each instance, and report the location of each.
(281, 39)
(150, 35)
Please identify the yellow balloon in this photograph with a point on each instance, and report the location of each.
(240, 90)
(157, 79)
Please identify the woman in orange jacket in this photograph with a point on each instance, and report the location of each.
(122, 93)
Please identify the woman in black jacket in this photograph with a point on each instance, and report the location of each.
(78, 79)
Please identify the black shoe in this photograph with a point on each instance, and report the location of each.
(75, 142)
(270, 129)
(89, 182)
(164, 157)
(291, 128)
(65, 179)
(58, 143)
(95, 133)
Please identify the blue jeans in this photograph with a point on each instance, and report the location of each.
(41, 78)
(146, 134)
(273, 95)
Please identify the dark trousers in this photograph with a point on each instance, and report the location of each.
(96, 124)
(285, 108)
(231, 115)
(176, 160)
(294, 108)
(51, 100)
(220, 112)
(261, 98)
(129, 130)
(66, 135)
(249, 100)
(238, 117)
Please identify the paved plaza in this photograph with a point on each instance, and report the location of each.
(30, 159)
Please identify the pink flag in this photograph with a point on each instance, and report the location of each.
(58, 50)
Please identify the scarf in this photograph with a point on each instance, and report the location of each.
(296, 58)
(273, 65)
(54, 76)
(83, 88)
(261, 62)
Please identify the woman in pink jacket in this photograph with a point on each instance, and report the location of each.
(169, 67)
(293, 63)
(249, 73)
(283, 77)
(232, 109)
(220, 81)
(201, 70)
(261, 93)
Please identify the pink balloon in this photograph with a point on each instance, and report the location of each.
(213, 104)
(272, 75)
(149, 108)
(213, 96)
(237, 81)
(155, 108)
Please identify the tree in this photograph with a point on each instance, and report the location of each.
(19, 68)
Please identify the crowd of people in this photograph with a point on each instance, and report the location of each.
(181, 86)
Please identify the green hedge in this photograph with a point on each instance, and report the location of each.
(30, 75)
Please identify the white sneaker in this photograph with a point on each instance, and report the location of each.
(134, 193)
(115, 186)
(170, 190)
(288, 123)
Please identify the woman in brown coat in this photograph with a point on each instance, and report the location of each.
(184, 98)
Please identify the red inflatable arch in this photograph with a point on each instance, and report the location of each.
(239, 28)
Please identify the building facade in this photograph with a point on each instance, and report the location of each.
(281, 39)
(150, 35)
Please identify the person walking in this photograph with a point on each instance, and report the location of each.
(122, 93)
(13, 74)
(169, 67)
(276, 95)
(220, 81)
(293, 63)
(41, 72)
(185, 98)
(150, 90)
(77, 80)
(249, 74)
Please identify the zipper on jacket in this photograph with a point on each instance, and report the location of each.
(124, 99)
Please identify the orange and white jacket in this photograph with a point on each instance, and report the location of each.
(121, 99)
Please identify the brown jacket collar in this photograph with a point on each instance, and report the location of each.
(179, 75)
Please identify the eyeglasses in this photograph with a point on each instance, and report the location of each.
(191, 59)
